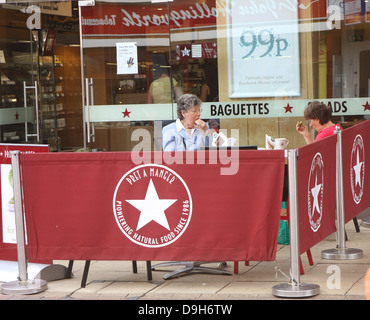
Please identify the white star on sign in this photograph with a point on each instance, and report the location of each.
(357, 169)
(185, 52)
(315, 193)
(152, 208)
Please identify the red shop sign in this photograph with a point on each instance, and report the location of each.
(144, 19)
(141, 19)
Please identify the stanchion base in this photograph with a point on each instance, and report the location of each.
(53, 272)
(342, 254)
(24, 287)
(365, 222)
(288, 290)
(189, 267)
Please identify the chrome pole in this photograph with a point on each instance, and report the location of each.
(37, 112)
(22, 285)
(87, 110)
(25, 110)
(295, 288)
(82, 77)
(341, 252)
(83, 3)
(19, 226)
(293, 216)
(91, 84)
(339, 194)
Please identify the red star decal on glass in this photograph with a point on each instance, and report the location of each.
(288, 108)
(366, 106)
(16, 116)
(126, 113)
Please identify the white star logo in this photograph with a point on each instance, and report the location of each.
(315, 193)
(357, 169)
(185, 52)
(152, 208)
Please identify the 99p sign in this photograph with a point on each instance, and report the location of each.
(263, 50)
(262, 44)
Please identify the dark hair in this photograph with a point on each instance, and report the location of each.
(318, 110)
(186, 102)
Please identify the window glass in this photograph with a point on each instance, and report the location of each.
(255, 65)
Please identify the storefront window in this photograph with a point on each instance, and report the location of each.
(169, 57)
(38, 100)
(262, 62)
(254, 64)
(18, 65)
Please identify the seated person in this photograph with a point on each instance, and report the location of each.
(319, 116)
(160, 90)
(189, 132)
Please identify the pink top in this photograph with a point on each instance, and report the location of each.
(327, 132)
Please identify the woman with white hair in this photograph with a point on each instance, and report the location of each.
(189, 132)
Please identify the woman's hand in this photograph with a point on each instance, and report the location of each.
(303, 130)
(200, 124)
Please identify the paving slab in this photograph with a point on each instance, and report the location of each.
(115, 280)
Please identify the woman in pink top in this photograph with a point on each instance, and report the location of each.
(319, 116)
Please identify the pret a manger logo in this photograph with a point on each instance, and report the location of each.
(357, 169)
(315, 192)
(152, 205)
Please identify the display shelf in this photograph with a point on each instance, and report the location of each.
(24, 71)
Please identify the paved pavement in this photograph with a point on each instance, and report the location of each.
(114, 280)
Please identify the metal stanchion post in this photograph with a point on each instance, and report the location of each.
(23, 285)
(341, 252)
(295, 288)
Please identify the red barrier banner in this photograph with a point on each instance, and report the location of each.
(356, 169)
(316, 167)
(8, 241)
(102, 206)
